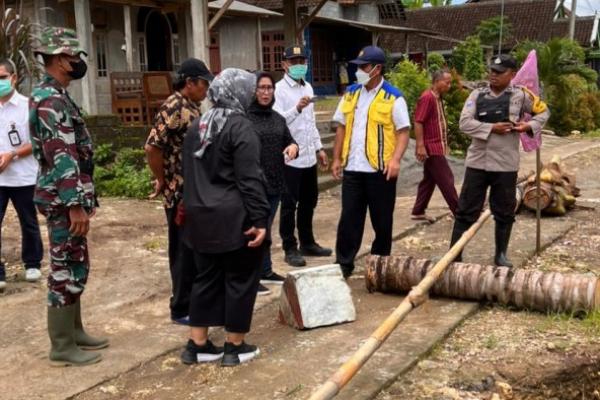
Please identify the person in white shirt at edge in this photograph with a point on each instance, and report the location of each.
(18, 171)
(293, 101)
(370, 141)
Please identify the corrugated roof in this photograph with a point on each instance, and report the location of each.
(373, 27)
(239, 7)
(530, 19)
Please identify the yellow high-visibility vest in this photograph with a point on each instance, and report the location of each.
(380, 133)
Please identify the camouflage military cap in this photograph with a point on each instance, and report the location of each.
(56, 40)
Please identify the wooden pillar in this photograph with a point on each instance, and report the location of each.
(375, 38)
(200, 38)
(290, 22)
(128, 37)
(83, 24)
(259, 47)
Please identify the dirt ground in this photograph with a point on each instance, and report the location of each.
(531, 355)
(127, 299)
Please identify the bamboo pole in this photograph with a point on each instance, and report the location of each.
(538, 208)
(416, 297)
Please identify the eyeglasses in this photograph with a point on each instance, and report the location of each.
(265, 89)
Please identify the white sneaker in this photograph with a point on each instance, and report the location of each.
(33, 274)
(2, 285)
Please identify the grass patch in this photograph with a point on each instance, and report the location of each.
(327, 104)
(491, 342)
(154, 244)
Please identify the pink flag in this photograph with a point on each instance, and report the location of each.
(527, 76)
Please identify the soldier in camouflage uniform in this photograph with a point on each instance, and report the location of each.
(164, 150)
(64, 193)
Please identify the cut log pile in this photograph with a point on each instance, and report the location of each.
(524, 289)
(557, 192)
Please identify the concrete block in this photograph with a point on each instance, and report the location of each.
(314, 297)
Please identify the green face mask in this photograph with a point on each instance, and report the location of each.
(298, 71)
(5, 87)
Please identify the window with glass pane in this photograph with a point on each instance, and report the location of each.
(142, 53)
(101, 57)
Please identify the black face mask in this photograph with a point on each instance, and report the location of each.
(79, 69)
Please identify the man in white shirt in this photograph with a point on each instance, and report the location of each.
(18, 171)
(293, 100)
(370, 141)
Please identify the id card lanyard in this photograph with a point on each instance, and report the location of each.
(13, 136)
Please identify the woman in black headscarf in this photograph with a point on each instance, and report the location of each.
(226, 213)
(277, 146)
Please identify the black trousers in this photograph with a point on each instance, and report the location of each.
(181, 264)
(301, 195)
(472, 197)
(32, 250)
(362, 190)
(225, 289)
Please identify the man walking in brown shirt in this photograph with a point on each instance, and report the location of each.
(493, 118)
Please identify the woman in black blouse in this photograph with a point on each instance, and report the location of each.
(277, 146)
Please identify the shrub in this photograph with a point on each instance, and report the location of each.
(454, 101)
(104, 154)
(435, 62)
(411, 79)
(467, 58)
(123, 174)
(17, 42)
(568, 85)
(488, 30)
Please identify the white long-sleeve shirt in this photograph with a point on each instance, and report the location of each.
(302, 125)
(15, 114)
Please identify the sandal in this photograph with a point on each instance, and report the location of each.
(423, 217)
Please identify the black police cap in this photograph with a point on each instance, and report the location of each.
(503, 62)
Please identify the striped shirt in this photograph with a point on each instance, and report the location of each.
(429, 112)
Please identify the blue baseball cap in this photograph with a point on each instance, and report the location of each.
(370, 55)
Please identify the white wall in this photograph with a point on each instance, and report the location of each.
(238, 43)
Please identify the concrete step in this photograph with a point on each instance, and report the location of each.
(328, 137)
(326, 125)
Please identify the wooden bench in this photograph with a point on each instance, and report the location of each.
(157, 87)
(137, 96)
(126, 90)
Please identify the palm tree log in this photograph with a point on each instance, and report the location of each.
(526, 289)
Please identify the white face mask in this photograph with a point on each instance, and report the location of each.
(362, 77)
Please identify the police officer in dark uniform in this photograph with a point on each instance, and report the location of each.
(493, 117)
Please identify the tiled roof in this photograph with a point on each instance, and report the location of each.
(530, 19)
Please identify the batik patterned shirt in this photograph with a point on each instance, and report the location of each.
(170, 125)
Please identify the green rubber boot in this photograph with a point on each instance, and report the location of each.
(83, 340)
(64, 351)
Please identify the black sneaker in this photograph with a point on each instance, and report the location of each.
(263, 290)
(294, 258)
(2, 277)
(314, 250)
(194, 354)
(273, 278)
(236, 355)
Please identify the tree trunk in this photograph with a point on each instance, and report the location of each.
(527, 289)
